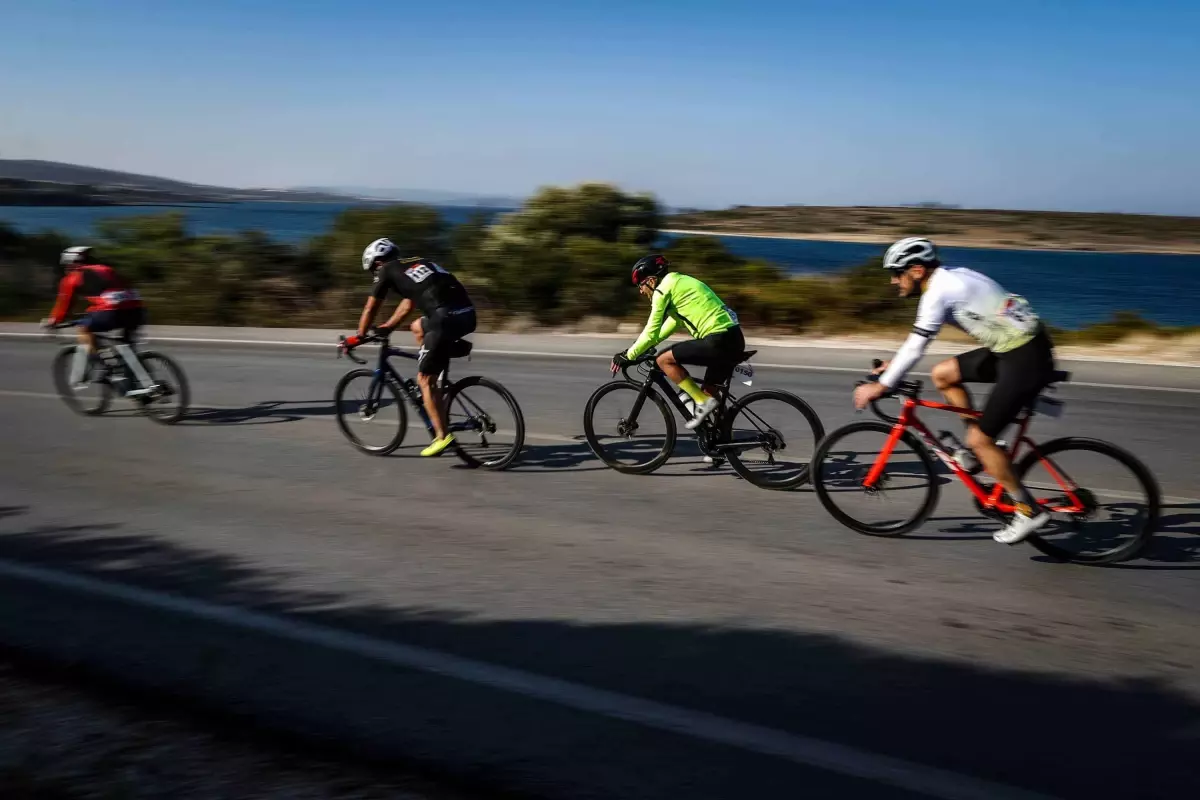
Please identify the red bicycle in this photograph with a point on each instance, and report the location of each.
(1092, 523)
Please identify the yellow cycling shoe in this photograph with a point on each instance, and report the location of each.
(438, 445)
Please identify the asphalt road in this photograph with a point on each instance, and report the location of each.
(687, 587)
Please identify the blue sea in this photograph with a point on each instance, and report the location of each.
(1069, 289)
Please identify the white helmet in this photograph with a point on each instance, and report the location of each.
(380, 248)
(80, 254)
(910, 252)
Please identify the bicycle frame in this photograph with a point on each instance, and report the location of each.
(384, 370)
(988, 500)
(655, 377)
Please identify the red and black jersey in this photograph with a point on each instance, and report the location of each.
(425, 283)
(103, 287)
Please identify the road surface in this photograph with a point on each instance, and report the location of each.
(773, 652)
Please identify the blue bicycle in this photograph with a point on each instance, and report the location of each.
(371, 413)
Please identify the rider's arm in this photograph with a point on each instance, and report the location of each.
(66, 293)
(402, 310)
(931, 313)
(368, 314)
(652, 334)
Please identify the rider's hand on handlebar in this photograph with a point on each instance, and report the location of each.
(879, 367)
(865, 393)
(619, 360)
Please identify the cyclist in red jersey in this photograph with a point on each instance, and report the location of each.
(113, 304)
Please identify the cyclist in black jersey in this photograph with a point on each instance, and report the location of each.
(447, 315)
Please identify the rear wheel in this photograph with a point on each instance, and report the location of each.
(633, 444)
(91, 399)
(769, 438)
(1104, 503)
(370, 412)
(488, 427)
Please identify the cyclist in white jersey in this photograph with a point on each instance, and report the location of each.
(1017, 356)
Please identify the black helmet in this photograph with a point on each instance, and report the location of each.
(654, 266)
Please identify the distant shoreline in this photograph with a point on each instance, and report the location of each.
(945, 241)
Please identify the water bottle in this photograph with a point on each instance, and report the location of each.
(413, 390)
(688, 403)
(959, 452)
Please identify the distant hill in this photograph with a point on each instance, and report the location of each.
(107, 186)
(426, 196)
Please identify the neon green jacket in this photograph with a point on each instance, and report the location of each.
(680, 298)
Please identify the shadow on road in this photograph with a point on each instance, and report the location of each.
(1027, 728)
(263, 413)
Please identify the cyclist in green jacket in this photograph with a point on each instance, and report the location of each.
(717, 342)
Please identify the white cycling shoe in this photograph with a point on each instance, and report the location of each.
(702, 411)
(1020, 528)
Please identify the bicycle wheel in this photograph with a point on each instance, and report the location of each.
(769, 438)
(904, 495)
(488, 427)
(635, 445)
(1104, 502)
(93, 399)
(370, 413)
(169, 401)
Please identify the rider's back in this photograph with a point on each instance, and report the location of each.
(972, 301)
(695, 304)
(427, 284)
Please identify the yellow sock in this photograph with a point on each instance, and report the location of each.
(694, 391)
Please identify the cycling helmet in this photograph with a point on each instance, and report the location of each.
(654, 266)
(75, 256)
(380, 248)
(911, 252)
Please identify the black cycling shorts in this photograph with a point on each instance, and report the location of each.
(442, 328)
(1019, 376)
(127, 320)
(720, 352)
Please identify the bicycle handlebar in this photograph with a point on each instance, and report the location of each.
(348, 352)
(644, 358)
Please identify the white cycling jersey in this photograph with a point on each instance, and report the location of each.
(973, 302)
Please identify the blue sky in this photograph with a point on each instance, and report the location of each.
(1075, 105)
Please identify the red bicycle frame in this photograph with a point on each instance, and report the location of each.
(988, 500)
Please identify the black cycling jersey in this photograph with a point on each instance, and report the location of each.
(425, 283)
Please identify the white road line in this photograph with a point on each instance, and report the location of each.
(803, 750)
(593, 356)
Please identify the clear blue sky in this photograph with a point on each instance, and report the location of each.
(1078, 105)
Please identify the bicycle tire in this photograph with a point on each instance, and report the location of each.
(182, 391)
(396, 440)
(515, 450)
(1140, 471)
(61, 369)
(593, 441)
(823, 494)
(734, 456)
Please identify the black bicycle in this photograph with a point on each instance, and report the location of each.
(160, 391)
(770, 455)
(370, 401)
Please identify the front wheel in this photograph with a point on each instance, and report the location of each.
(92, 398)
(1104, 503)
(769, 438)
(370, 412)
(630, 432)
(488, 427)
(902, 496)
(168, 401)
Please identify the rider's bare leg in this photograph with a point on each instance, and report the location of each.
(83, 353)
(947, 377)
(679, 376)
